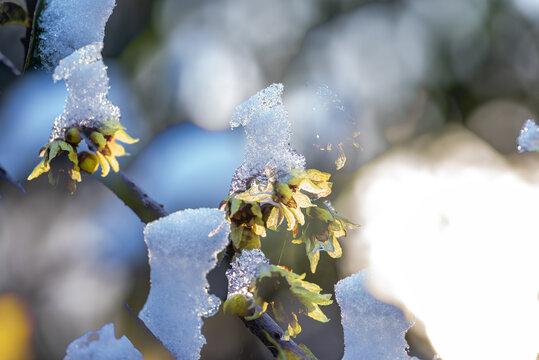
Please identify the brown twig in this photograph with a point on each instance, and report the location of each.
(264, 327)
(134, 197)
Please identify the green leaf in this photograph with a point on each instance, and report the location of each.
(307, 351)
(98, 139)
(255, 209)
(301, 295)
(71, 154)
(41, 168)
(13, 13)
(236, 234)
(234, 206)
(337, 250)
(313, 260)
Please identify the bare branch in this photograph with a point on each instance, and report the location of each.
(146, 208)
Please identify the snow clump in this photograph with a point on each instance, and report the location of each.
(68, 25)
(267, 128)
(244, 269)
(87, 82)
(182, 249)
(373, 330)
(102, 345)
(528, 140)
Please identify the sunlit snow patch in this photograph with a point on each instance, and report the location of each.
(182, 248)
(373, 330)
(69, 25)
(528, 140)
(267, 128)
(102, 345)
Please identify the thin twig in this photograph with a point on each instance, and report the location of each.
(265, 326)
(5, 176)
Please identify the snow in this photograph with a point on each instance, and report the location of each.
(267, 128)
(244, 269)
(69, 25)
(528, 139)
(182, 249)
(87, 82)
(373, 330)
(102, 345)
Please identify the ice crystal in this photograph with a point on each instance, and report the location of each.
(86, 80)
(528, 140)
(102, 345)
(373, 330)
(244, 269)
(267, 128)
(68, 25)
(182, 248)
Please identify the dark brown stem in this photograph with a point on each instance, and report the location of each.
(142, 205)
(265, 327)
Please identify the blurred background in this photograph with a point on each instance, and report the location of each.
(424, 99)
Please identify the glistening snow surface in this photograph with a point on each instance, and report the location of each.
(528, 140)
(267, 128)
(69, 25)
(244, 269)
(87, 82)
(182, 248)
(373, 330)
(102, 345)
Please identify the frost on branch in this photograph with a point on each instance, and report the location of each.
(102, 345)
(182, 248)
(528, 139)
(373, 330)
(267, 128)
(69, 25)
(244, 269)
(87, 82)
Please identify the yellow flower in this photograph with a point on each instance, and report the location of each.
(268, 202)
(295, 296)
(101, 141)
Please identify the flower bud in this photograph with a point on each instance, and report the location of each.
(72, 136)
(98, 139)
(284, 191)
(88, 162)
(237, 304)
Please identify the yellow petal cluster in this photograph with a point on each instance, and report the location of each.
(101, 142)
